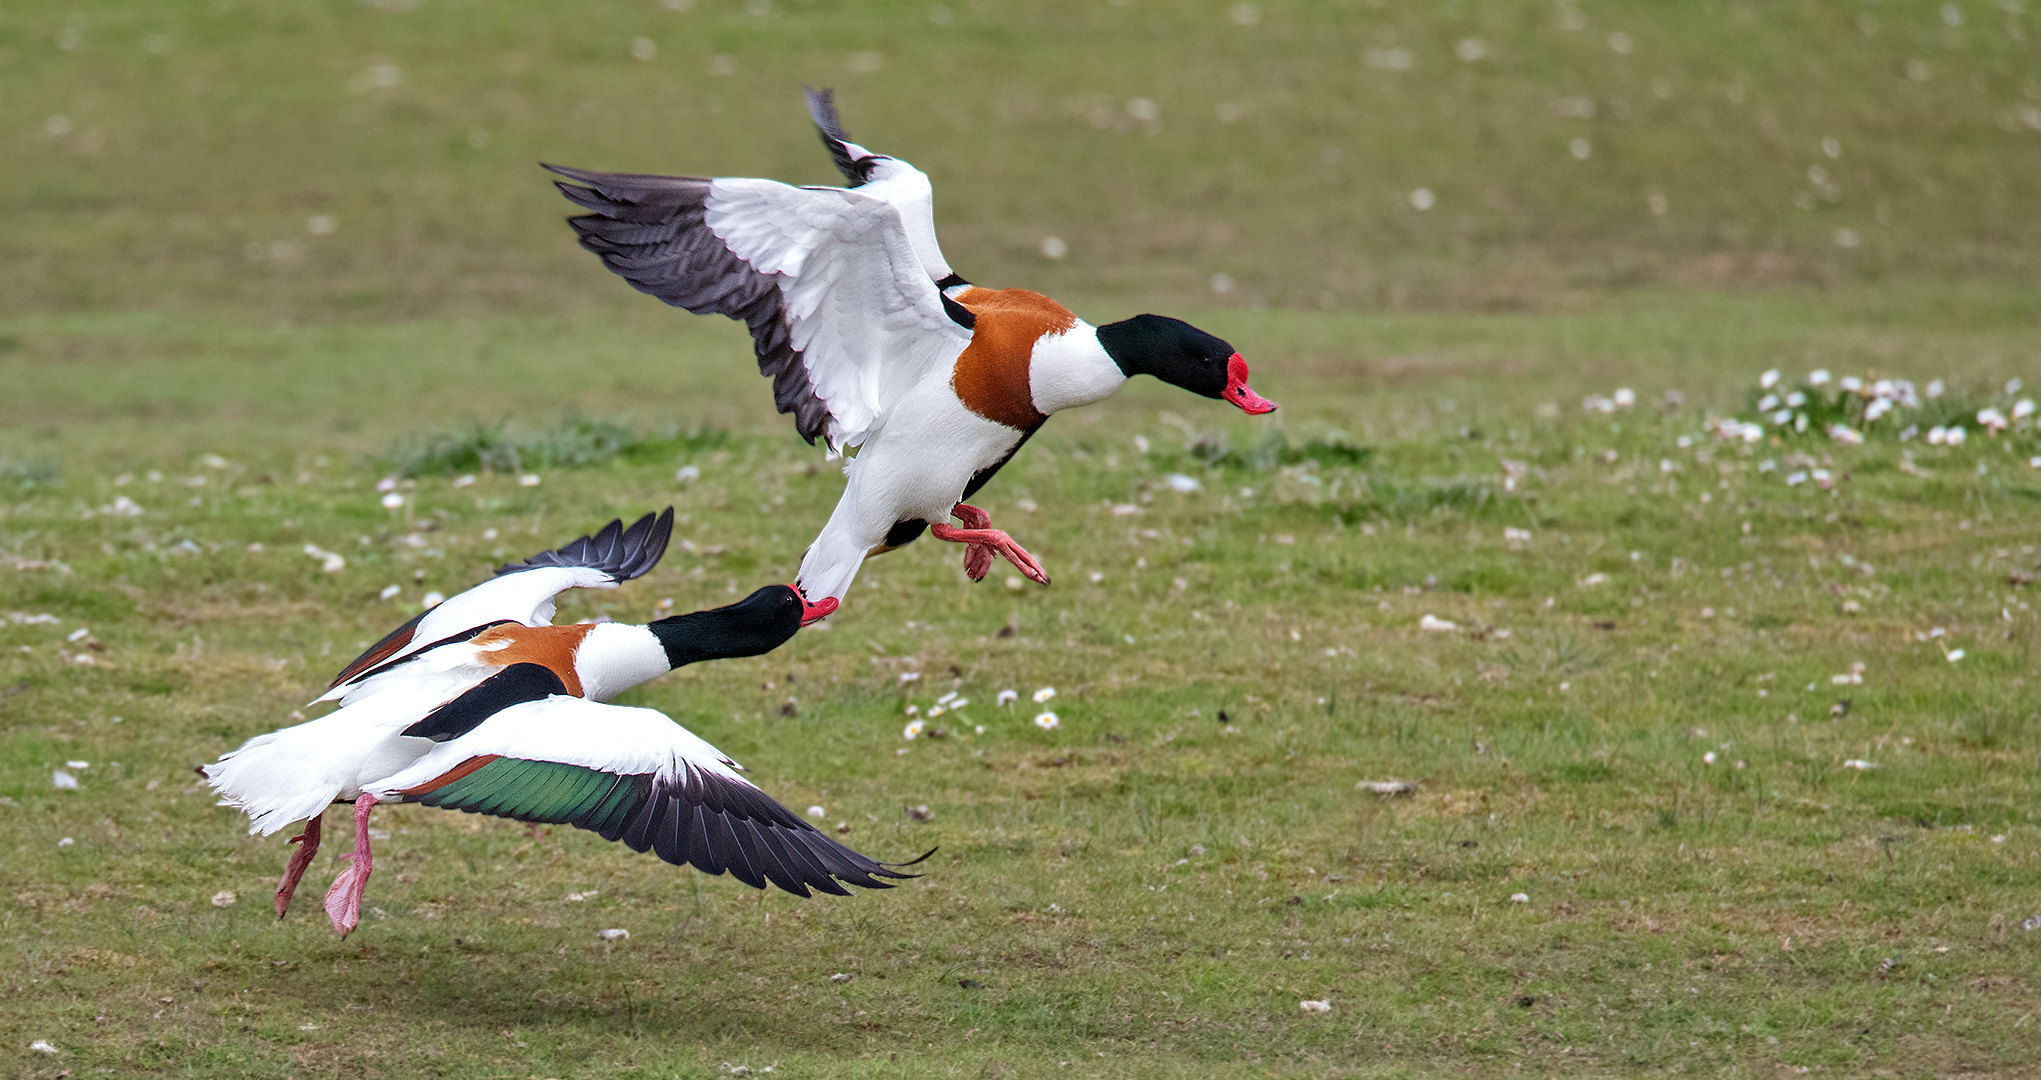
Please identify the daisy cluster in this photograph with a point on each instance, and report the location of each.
(1849, 408)
(919, 717)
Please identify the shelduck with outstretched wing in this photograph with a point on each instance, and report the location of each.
(492, 709)
(873, 342)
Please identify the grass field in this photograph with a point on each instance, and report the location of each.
(1648, 716)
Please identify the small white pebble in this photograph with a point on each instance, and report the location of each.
(225, 898)
(612, 935)
(1314, 1006)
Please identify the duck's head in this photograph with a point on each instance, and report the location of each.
(755, 625)
(1182, 355)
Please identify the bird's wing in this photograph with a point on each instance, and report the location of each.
(521, 592)
(843, 317)
(886, 178)
(632, 775)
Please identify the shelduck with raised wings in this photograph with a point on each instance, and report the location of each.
(873, 342)
(482, 705)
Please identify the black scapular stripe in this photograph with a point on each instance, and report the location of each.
(469, 634)
(958, 313)
(514, 685)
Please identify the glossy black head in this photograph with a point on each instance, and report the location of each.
(1169, 349)
(1182, 355)
(757, 624)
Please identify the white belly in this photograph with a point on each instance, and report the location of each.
(899, 476)
(917, 466)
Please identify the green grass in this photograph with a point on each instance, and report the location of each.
(1151, 888)
(1562, 759)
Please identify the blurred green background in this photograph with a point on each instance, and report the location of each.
(194, 156)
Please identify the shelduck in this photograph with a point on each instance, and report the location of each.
(482, 705)
(873, 342)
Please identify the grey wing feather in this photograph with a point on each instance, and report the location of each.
(822, 109)
(650, 231)
(621, 553)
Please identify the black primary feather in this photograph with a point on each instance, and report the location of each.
(651, 231)
(621, 553)
(822, 109)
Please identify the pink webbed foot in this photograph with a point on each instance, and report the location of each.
(984, 542)
(301, 860)
(343, 900)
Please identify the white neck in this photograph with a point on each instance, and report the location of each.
(1071, 369)
(617, 656)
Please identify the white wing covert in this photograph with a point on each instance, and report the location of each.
(633, 775)
(523, 592)
(868, 322)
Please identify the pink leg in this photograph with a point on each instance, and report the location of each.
(343, 900)
(977, 557)
(978, 535)
(301, 860)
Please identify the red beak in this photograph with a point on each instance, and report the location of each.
(1237, 390)
(816, 612)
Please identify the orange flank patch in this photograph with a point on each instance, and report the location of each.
(551, 647)
(451, 775)
(992, 374)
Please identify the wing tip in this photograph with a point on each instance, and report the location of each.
(622, 553)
